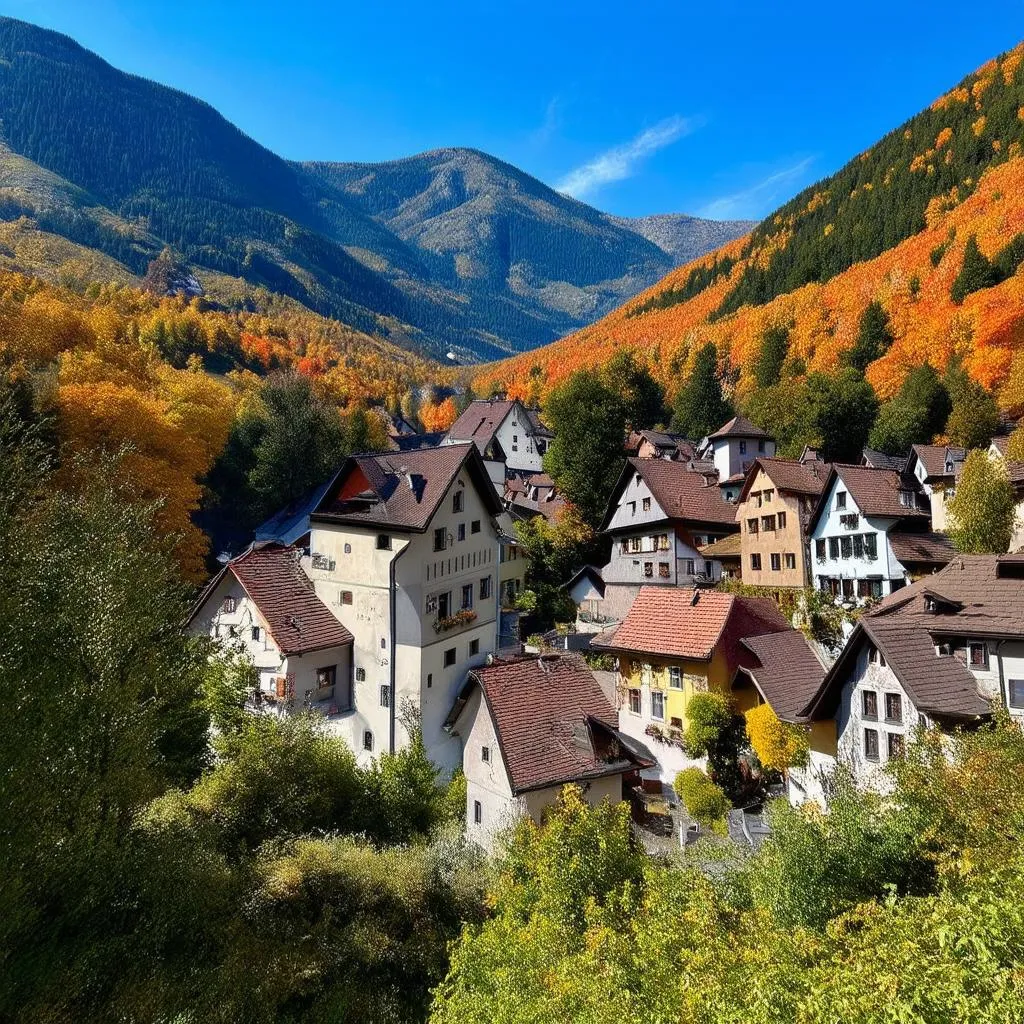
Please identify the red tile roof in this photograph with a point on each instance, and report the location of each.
(669, 622)
(297, 620)
(402, 490)
(934, 456)
(786, 670)
(739, 426)
(554, 723)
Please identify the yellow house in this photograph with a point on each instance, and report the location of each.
(674, 643)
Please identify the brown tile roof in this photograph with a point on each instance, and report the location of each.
(481, 418)
(934, 457)
(879, 460)
(681, 493)
(785, 669)
(666, 621)
(297, 620)
(726, 547)
(554, 723)
(921, 548)
(876, 492)
(1002, 442)
(401, 490)
(739, 426)
(684, 449)
(788, 475)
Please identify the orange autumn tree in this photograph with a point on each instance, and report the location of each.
(437, 417)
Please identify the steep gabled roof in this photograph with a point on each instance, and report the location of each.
(682, 493)
(297, 620)
(553, 721)
(592, 573)
(788, 475)
(402, 490)
(876, 492)
(934, 458)
(738, 426)
(677, 622)
(481, 419)
(879, 460)
(785, 670)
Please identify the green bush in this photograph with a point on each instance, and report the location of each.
(707, 715)
(706, 802)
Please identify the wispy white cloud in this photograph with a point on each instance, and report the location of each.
(756, 200)
(621, 162)
(549, 127)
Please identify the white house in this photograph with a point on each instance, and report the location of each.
(936, 654)
(263, 604)
(505, 431)
(935, 468)
(997, 450)
(529, 726)
(732, 449)
(869, 536)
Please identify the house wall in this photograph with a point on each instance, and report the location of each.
(515, 435)
(733, 455)
(595, 792)
(886, 567)
(789, 540)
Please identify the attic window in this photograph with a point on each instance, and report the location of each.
(228, 607)
(346, 597)
(840, 499)
(383, 542)
(458, 499)
(907, 498)
(485, 754)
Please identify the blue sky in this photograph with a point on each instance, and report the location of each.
(723, 109)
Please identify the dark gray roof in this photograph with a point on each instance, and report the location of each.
(785, 669)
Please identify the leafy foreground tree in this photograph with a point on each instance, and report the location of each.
(700, 407)
(898, 909)
(915, 415)
(983, 512)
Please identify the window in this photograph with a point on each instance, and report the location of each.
(1016, 693)
(876, 657)
(675, 677)
(743, 447)
(385, 696)
(348, 548)
(871, 545)
(440, 539)
(383, 643)
(457, 501)
(755, 562)
(907, 498)
(782, 520)
(847, 588)
(871, 744)
(858, 546)
(444, 605)
(634, 702)
(790, 560)
(467, 595)
(768, 494)
(228, 606)
(690, 567)
(776, 561)
(632, 508)
(515, 442)
(346, 597)
(478, 813)
(978, 655)
(663, 570)
(846, 547)
(894, 745)
(819, 549)
(430, 680)
(658, 705)
(647, 504)
(768, 524)
(850, 521)
(461, 531)
(833, 547)
(485, 755)
(449, 657)
(841, 500)
(383, 542)
(474, 527)
(474, 648)
(751, 526)
(648, 568)
(662, 539)
(367, 740)
(870, 704)
(325, 681)
(360, 675)
(893, 707)
(675, 723)
(708, 570)
(485, 588)
(256, 633)
(760, 446)
(869, 588)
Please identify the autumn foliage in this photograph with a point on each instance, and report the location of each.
(777, 744)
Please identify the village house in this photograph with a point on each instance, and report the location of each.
(936, 654)
(659, 444)
(660, 514)
(586, 588)
(935, 469)
(509, 436)
(732, 449)
(1015, 469)
(773, 510)
(869, 534)
(674, 643)
(782, 670)
(262, 604)
(725, 556)
(529, 726)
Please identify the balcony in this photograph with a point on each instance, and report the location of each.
(457, 620)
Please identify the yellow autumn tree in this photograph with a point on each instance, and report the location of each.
(439, 416)
(777, 744)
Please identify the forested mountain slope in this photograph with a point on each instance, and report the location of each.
(99, 170)
(895, 225)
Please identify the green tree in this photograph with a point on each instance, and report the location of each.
(589, 422)
(874, 337)
(915, 415)
(974, 415)
(771, 356)
(983, 512)
(976, 273)
(700, 407)
(643, 398)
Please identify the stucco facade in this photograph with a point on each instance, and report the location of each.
(773, 545)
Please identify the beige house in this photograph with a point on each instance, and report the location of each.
(529, 726)
(773, 509)
(936, 469)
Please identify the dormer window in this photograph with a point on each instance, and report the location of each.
(906, 498)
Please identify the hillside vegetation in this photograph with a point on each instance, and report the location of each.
(892, 227)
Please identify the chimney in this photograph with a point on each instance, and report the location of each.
(695, 598)
(404, 470)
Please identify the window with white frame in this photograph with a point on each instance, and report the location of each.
(658, 705)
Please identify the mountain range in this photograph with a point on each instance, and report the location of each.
(927, 224)
(452, 250)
